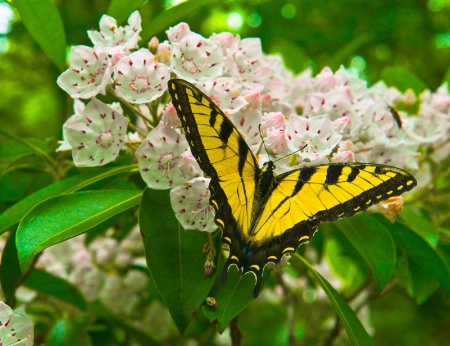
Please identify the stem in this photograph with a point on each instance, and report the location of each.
(334, 333)
(38, 151)
(289, 310)
(235, 332)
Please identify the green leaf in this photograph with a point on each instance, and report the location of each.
(374, 243)
(403, 80)
(12, 150)
(10, 275)
(421, 252)
(417, 222)
(172, 16)
(42, 19)
(64, 217)
(174, 257)
(344, 261)
(68, 331)
(54, 286)
(14, 214)
(121, 9)
(231, 298)
(352, 324)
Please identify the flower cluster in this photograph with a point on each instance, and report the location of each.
(105, 270)
(305, 119)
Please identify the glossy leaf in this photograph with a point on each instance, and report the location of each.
(231, 297)
(51, 285)
(420, 224)
(174, 257)
(171, 17)
(355, 330)
(14, 214)
(42, 19)
(374, 243)
(64, 217)
(403, 80)
(422, 253)
(344, 261)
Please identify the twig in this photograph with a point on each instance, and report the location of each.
(235, 332)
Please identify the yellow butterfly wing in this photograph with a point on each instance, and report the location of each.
(221, 153)
(263, 216)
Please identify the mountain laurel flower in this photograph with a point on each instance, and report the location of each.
(117, 40)
(159, 157)
(89, 72)
(317, 133)
(275, 120)
(178, 32)
(249, 65)
(196, 58)
(140, 78)
(15, 329)
(225, 92)
(96, 135)
(191, 205)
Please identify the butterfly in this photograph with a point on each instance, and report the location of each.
(264, 215)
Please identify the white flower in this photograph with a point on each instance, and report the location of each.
(249, 65)
(117, 40)
(178, 32)
(225, 92)
(15, 329)
(159, 157)
(96, 135)
(196, 58)
(139, 78)
(89, 72)
(191, 205)
(315, 136)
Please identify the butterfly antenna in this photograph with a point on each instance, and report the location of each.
(264, 144)
(300, 149)
(262, 139)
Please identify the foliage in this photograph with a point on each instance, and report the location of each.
(392, 277)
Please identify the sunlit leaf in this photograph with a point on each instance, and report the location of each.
(14, 214)
(42, 19)
(417, 222)
(64, 217)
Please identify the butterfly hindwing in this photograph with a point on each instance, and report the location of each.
(264, 216)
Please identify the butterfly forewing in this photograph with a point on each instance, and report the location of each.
(221, 153)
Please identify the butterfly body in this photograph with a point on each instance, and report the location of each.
(263, 215)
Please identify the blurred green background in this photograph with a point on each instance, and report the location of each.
(362, 35)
